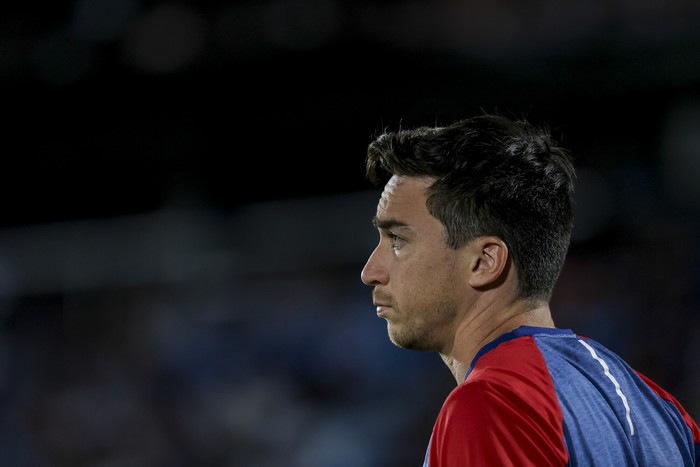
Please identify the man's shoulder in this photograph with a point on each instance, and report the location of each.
(514, 369)
(506, 381)
(517, 355)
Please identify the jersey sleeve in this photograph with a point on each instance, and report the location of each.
(488, 424)
(665, 395)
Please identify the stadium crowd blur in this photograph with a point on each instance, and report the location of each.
(185, 214)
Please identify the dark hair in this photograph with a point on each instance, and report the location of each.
(494, 176)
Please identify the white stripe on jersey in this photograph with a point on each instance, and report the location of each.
(614, 381)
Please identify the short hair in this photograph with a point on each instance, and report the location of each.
(494, 176)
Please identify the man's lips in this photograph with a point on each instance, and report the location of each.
(382, 308)
(381, 302)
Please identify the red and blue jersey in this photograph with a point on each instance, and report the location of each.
(548, 397)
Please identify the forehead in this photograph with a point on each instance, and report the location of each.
(404, 197)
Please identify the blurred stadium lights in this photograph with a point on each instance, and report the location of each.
(166, 37)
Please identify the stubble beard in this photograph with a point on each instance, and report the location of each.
(417, 335)
(420, 327)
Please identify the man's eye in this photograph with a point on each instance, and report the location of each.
(396, 241)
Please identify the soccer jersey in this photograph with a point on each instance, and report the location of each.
(548, 397)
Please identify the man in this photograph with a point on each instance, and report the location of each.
(474, 222)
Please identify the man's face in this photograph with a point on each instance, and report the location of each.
(420, 284)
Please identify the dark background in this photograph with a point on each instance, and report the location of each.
(185, 214)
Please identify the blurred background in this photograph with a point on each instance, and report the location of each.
(185, 214)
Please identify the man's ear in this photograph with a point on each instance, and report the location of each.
(489, 263)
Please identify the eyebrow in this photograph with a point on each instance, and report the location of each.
(386, 224)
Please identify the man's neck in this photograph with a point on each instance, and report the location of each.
(477, 332)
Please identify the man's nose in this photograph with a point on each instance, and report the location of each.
(373, 273)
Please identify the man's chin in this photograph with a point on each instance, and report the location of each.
(408, 342)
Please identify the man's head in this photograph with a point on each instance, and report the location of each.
(490, 176)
